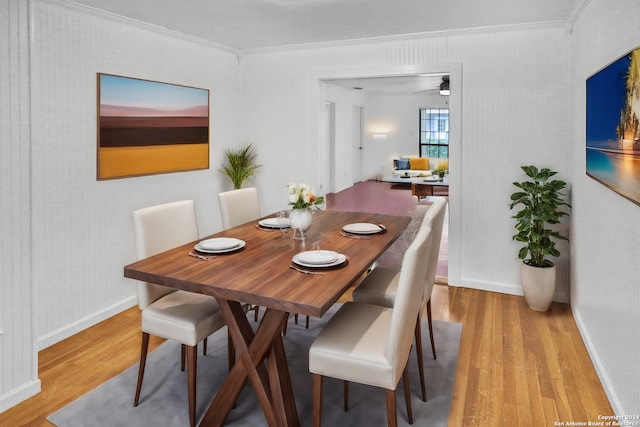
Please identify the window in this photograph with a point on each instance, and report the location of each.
(434, 132)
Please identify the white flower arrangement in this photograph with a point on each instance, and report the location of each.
(302, 197)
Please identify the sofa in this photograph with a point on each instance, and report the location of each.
(413, 167)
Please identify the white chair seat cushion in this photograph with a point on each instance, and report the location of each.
(185, 317)
(378, 288)
(352, 345)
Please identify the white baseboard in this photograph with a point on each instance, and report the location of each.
(597, 363)
(18, 394)
(505, 288)
(84, 323)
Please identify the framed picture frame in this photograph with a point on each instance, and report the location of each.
(147, 127)
(613, 126)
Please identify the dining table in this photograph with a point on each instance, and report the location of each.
(262, 272)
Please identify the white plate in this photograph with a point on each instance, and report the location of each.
(339, 260)
(431, 179)
(275, 223)
(220, 245)
(363, 228)
(318, 257)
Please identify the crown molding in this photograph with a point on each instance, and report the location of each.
(578, 8)
(413, 36)
(72, 5)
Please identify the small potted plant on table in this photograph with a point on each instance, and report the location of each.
(541, 201)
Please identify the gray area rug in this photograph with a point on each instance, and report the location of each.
(163, 401)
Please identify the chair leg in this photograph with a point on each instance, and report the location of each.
(345, 395)
(183, 352)
(407, 393)
(284, 330)
(418, 336)
(256, 309)
(295, 319)
(433, 345)
(204, 347)
(392, 418)
(143, 361)
(192, 363)
(317, 400)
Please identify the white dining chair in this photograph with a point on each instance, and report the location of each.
(380, 286)
(238, 207)
(181, 316)
(370, 344)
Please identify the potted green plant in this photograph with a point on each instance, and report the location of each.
(240, 165)
(542, 204)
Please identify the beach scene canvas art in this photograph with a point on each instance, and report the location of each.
(147, 127)
(613, 126)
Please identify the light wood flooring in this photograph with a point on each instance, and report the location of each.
(516, 367)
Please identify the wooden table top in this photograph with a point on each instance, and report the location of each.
(259, 273)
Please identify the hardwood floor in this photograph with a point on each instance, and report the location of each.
(516, 367)
(74, 366)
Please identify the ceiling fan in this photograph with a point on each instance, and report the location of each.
(444, 86)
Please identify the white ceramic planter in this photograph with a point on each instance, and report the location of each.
(538, 285)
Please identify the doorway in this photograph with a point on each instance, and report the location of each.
(330, 143)
(454, 71)
(357, 139)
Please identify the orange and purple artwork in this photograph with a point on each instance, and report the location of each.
(147, 127)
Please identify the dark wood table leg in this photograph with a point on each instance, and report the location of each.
(421, 190)
(275, 395)
(280, 381)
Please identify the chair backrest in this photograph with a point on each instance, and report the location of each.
(238, 206)
(160, 228)
(434, 219)
(408, 300)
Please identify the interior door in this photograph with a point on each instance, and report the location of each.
(358, 152)
(330, 132)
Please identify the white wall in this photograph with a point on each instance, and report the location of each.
(86, 224)
(605, 296)
(398, 116)
(394, 115)
(18, 357)
(68, 249)
(511, 109)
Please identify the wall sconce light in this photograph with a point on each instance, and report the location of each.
(379, 136)
(444, 86)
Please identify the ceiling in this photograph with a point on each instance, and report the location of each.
(396, 85)
(253, 24)
(256, 24)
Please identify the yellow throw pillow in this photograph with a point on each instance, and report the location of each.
(419, 163)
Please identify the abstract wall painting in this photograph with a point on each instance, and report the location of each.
(613, 126)
(147, 127)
